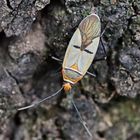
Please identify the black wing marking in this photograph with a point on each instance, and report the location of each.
(77, 47)
(86, 50)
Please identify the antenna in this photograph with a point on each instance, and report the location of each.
(81, 120)
(39, 102)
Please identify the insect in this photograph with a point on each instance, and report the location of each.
(81, 50)
(78, 57)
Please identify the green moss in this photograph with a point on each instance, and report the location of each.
(127, 112)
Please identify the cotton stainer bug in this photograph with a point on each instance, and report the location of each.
(78, 57)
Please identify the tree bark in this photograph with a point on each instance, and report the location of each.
(31, 32)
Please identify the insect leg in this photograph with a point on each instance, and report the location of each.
(105, 53)
(58, 60)
(102, 44)
(103, 47)
(55, 58)
(81, 120)
(91, 74)
(38, 102)
(104, 29)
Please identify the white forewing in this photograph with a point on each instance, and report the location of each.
(72, 53)
(85, 58)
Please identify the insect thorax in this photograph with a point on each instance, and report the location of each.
(70, 75)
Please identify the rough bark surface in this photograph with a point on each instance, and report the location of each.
(31, 31)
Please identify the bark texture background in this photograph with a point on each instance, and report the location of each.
(31, 31)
